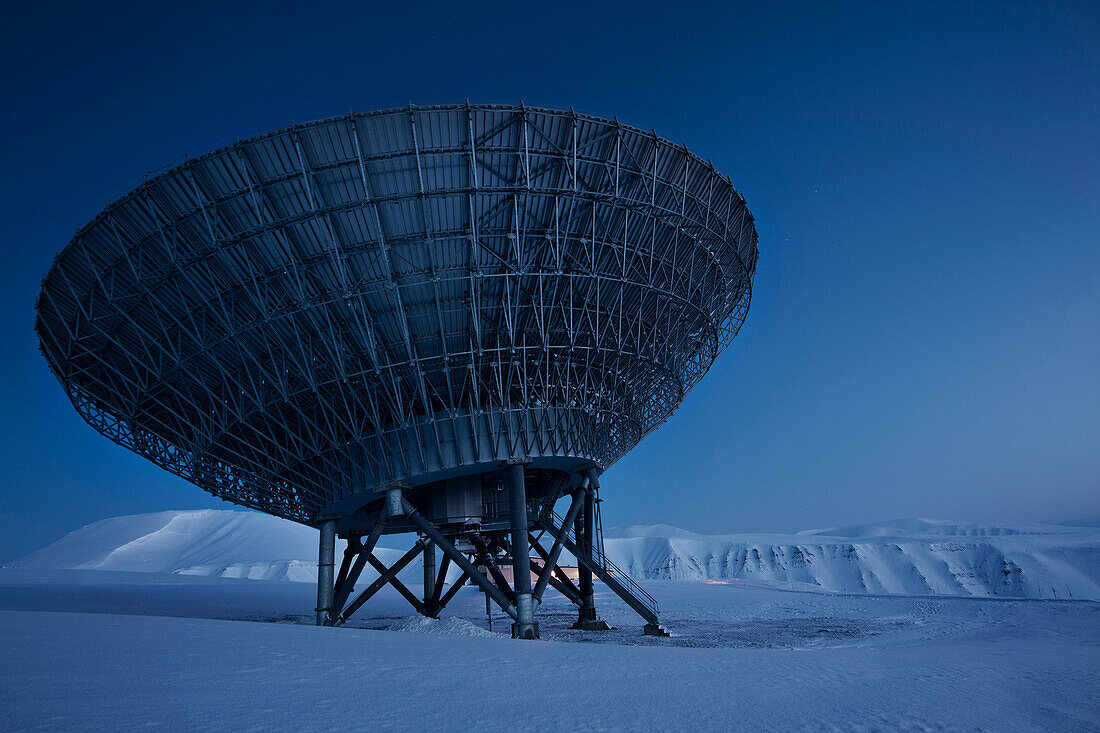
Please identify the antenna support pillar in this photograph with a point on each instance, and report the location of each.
(525, 626)
(326, 563)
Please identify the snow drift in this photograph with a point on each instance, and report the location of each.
(912, 556)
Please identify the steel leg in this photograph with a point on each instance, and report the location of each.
(429, 571)
(525, 626)
(587, 620)
(326, 565)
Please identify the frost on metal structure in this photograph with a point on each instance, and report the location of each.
(301, 319)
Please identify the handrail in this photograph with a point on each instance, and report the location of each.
(606, 563)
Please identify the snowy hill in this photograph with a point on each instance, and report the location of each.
(908, 556)
(912, 527)
(223, 543)
(911, 556)
(213, 543)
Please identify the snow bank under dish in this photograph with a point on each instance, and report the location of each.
(447, 626)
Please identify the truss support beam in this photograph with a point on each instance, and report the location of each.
(517, 599)
(435, 604)
(400, 587)
(485, 559)
(446, 598)
(350, 552)
(497, 575)
(555, 550)
(557, 584)
(457, 557)
(559, 581)
(346, 584)
(388, 575)
(326, 564)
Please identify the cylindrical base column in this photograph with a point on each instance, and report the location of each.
(326, 563)
(429, 570)
(525, 626)
(585, 529)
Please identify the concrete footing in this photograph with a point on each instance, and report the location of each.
(595, 625)
(526, 631)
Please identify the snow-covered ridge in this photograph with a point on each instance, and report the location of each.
(911, 556)
(939, 527)
(907, 556)
(212, 542)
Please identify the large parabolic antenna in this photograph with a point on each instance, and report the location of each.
(439, 319)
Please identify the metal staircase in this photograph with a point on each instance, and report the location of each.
(602, 567)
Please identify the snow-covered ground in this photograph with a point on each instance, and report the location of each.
(190, 642)
(109, 650)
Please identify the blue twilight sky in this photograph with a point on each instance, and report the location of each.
(924, 339)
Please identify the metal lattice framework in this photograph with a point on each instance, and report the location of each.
(399, 295)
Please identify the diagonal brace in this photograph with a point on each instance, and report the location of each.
(345, 587)
(560, 578)
(555, 550)
(440, 584)
(398, 585)
(569, 591)
(380, 581)
(353, 549)
(458, 558)
(485, 557)
(451, 592)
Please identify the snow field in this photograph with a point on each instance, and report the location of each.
(107, 672)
